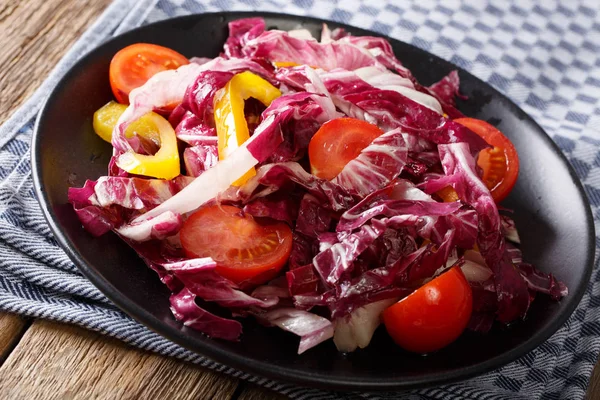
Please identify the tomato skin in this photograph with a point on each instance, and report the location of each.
(133, 65)
(500, 164)
(433, 316)
(338, 142)
(247, 251)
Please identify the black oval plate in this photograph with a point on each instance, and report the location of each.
(551, 212)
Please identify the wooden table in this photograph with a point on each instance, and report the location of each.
(41, 359)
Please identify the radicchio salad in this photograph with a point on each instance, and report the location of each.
(314, 185)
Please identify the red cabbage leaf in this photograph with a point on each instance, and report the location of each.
(311, 328)
(460, 169)
(185, 309)
(376, 165)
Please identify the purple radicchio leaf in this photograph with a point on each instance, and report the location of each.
(199, 276)
(200, 158)
(275, 206)
(170, 87)
(461, 174)
(541, 282)
(313, 218)
(338, 259)
(136, 193)
(389, 109)
(311, 328)
(267, 136)
(277, 45)
(392, 110)
(447, 89)
(375, 166)
(110, 202)
(304, 248)
(185, 310)
(160, 227)
(303, 280)
(240, 32)
(271, 177)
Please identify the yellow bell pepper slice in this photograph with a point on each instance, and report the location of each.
(165, 163)
(448, 194)
(106, 117)
(283, 64)
(230, 121)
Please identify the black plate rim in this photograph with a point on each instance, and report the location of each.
(264, 369)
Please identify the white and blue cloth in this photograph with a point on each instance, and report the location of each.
(544, 55)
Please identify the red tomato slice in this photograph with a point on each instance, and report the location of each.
(133, 65)
(433, 316)
(500, 164)
(246, 250)
(338, 142)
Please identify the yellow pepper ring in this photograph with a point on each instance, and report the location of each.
(230, 121)
(106, 117)
(165, 163)
(283, 64)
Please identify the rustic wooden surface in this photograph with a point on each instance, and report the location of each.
(69, 362)
(48, 360)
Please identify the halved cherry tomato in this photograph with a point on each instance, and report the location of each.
(133, 65)
(433, 316)
(246, 250)
(337, 143)
(500, 164)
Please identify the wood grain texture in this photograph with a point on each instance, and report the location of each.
(63, 361)
(12, 327)
(35, 35)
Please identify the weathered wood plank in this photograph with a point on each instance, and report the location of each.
(35, 35)
(63, 361)
(12, 327)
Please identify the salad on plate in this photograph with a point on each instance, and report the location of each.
(314, 185)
